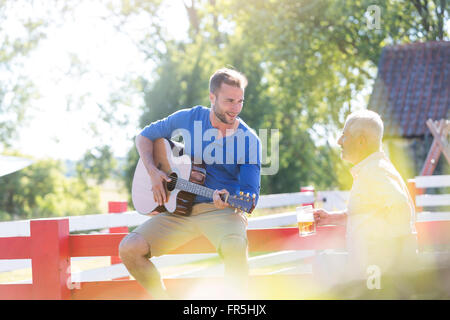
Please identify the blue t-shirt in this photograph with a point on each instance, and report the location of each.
(232, 162)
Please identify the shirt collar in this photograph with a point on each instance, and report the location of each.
(372, 157)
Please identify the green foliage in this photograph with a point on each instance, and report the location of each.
(15, 89)
(319, 57)
(42, 190)
(308, 64)
(23, 26)
(98, 164)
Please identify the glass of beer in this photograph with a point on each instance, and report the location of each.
(305, 221)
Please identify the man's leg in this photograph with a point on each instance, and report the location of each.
(135, 254)
(227, 232)
(233, 250)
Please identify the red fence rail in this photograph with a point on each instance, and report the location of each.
(50, 247)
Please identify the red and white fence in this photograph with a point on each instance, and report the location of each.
(432, 226)
(50, 246)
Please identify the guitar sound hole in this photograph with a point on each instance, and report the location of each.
(171, 185)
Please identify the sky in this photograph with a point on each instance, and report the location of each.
(60, 129)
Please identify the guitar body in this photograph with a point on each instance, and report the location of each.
(168, 157)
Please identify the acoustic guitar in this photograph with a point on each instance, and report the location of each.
(187, 179)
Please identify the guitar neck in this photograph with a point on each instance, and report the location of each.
(194, 188)
(242, 202)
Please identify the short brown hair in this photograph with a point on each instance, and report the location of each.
(228, 76)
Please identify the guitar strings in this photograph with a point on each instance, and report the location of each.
(174, 181)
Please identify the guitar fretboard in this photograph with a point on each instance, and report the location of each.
(243, 203)
(194, 188)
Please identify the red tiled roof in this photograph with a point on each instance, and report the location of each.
(412, 85)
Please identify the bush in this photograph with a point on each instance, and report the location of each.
(42, 190)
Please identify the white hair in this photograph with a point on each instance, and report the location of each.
(367, 123)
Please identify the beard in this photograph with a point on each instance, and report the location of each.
(220, 115)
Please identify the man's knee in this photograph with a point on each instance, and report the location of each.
(133, 246)
(233, 245)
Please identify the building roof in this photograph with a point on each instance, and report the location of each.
(412, 86)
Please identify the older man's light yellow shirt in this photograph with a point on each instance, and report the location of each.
(379, 203)
(379, 208)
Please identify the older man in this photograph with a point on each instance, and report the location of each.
(380, 214)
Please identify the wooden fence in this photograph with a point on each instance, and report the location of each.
(50, 246)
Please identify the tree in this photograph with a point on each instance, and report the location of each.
(309, 63)
(42, 190)
(23, 26)
(320, 58)
(182, 81)
(15, 89)
(98, 164)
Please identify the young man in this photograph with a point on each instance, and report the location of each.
(230, 151)
(380, 212)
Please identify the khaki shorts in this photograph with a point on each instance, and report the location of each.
(166, 231)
